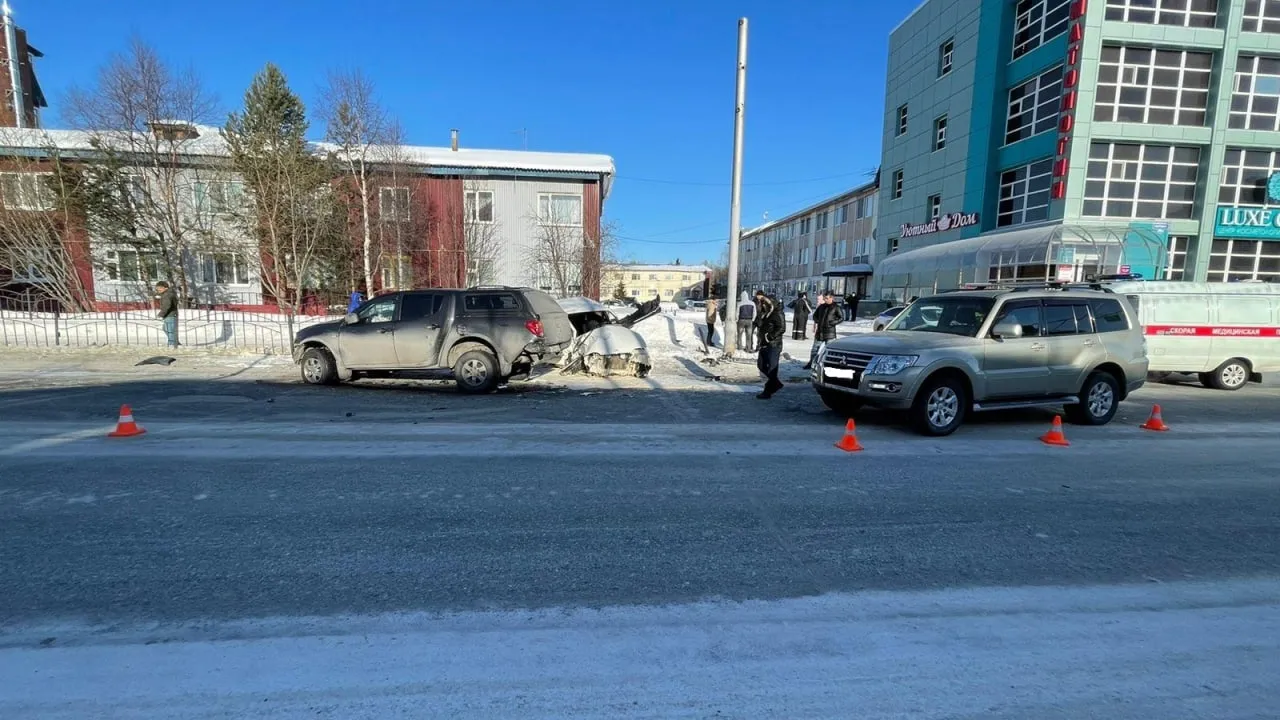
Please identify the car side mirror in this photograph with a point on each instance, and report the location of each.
(1006, 330)
(351, 319)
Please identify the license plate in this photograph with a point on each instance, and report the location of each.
(839, 373)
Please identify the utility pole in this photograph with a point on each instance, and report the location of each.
(735, 198)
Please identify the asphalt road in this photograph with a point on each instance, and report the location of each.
(270, 512)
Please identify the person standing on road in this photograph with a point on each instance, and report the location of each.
(801, 310)
(773, 325)
(746, 323)
(851, 305)
(167, 309)
(825, 320)
(712, 307)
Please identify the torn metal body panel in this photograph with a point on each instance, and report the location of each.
(603, 345)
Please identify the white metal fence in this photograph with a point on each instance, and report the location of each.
(212, 329)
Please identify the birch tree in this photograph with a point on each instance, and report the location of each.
(139, 188)
(555, 254)
(364, 137)
(482, 235)
(291, 209)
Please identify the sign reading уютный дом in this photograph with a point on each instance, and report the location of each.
(1239, 221)
(943, 223)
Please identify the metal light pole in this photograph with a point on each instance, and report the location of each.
(735, 197)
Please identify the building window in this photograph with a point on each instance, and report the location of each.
(224, 269)
(1255, 102)
(478, 205)
(1141, 181)
(219, 197)
(897, 184)
(1244, 176)
(842, 214)
(27, 191)
(393, 204)
(806, 226)
(946, 52)
(902, 120)
(1037, 21)
(1159, 87)
(1237, 260)
(635, 276)
(1176, 265)
(1262, 16)
(940, 133)
(555, 209)
(824, 220)
(1024, 194)
(935, 207)
(893, 245)
(132, 266)
(1180, 13)
(804, 256)
(1033, 106)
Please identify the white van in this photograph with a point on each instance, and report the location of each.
(1226, 333)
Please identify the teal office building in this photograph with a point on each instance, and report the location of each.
(1062, 139)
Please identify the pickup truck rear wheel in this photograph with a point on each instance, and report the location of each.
(940, 406)
(318, 367)
(476, 372)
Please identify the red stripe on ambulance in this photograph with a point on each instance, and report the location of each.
(1211, 331)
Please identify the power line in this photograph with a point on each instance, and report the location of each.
(627, 238)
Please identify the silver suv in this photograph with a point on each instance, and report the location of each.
(957, 352)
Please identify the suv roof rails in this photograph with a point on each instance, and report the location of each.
(1029, 286)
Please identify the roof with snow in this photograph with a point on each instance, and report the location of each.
(208, 142)
(661, 268)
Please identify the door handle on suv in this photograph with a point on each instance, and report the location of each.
(1037, 346)
(1089, 343)
(384, 331)
(433, 327)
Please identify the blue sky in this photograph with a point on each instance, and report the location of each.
(650, 83)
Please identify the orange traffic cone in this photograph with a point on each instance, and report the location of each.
(849, 443)
(1156, 421)
(1055, 435)
(126, 427)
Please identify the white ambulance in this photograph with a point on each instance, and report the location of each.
(1226, 333)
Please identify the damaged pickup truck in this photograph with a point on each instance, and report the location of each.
(604, 345)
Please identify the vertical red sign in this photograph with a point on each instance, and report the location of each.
(1066, 119)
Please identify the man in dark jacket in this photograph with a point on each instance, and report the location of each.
(800, 309)
(167, 310)
(825, 319)
(851, 304)
(773, 325)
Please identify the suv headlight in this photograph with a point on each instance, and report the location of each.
(891, 364)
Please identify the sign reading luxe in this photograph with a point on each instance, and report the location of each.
(950, 221)
(1233, 221)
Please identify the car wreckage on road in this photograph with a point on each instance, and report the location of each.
(604, 345)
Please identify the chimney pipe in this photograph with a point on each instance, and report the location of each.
(453, 140)
(15, 67)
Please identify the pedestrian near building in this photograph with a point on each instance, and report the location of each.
(825, 320)
(746, 323)
(712, 308)
(851, 305)
(167, 309)
(773, 325)
(801, 310)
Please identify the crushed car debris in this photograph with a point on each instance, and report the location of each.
(603, 345)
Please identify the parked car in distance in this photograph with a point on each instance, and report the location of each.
(886, 317)
(972, 351)
(481, 337)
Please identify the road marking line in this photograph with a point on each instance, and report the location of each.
(48, 442)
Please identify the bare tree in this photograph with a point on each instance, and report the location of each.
(776, 264)
(292, 210)
(38, 247)
(556, 255)
(482, 235)
(140, 188)
(365, 137)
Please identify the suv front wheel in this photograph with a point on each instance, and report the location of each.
(1099, 400)
(476, 372)
(940, 406)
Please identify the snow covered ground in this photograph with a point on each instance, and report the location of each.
(1128, 652)
(263, 333)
